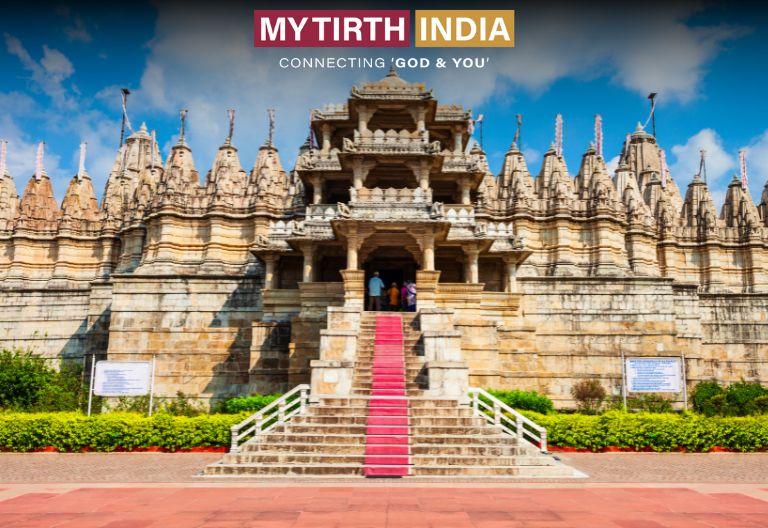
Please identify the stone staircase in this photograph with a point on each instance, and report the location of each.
(386, 427)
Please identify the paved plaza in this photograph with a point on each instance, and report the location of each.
(624, 490)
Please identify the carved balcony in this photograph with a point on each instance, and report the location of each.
(317, 160)
(390, 204)
(391, 142)
(459, 214)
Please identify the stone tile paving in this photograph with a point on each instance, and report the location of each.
(182, 467)
(427, 507)
(137, 490)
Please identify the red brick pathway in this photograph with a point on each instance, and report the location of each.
(407, 507)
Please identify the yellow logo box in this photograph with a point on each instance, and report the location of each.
(480, 28)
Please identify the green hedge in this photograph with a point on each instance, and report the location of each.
(654, 432)
(615, 429)
(524, 400)
(250, 404)
(113, 431)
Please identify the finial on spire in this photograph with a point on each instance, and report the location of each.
(231, 115)
(39, 167)
(81, 172)
(392, 71)
(182, 128)
(703, 165)
(663, 161)
(271, 115)
(152, 152)
(743, 167)
(516, 138)
(599, 135)
(3, 154)
(559, 135)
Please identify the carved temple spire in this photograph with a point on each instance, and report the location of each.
(516, 185)
(9, 197)
(226, 181)
(80, 201)
(38, 210)
(739, 210)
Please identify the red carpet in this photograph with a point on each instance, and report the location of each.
(386, 440)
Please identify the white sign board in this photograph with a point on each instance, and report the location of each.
(662, 374)
(122, 378)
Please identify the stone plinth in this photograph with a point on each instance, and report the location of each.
(426, 287)
(354, 288)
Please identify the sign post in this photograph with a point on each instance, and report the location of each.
(90, 383)
(152, 385)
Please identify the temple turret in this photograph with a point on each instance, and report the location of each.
(226, 182)
(80, 201)
(268, 181)
(38, 210)
(515, 183)
(739, 210)
(9, 197)
(132, 159)
(179, 183)
(553, 182)
(698, 208)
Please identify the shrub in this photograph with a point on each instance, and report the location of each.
(524, 400)
(28, 382)
(589, 396)
(654, 432)
(703, 398)
(181, 405)
(108, 432)
(250, 404)
(652, 403)
(740, 398)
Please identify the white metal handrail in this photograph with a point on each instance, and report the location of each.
(278, 412)
(521, 427)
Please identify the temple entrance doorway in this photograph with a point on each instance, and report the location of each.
(394, 264)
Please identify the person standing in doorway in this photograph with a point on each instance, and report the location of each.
(411, 297)
(393, 295)
(404, 295)
(375, 287)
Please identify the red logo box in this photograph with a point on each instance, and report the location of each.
(333, 28)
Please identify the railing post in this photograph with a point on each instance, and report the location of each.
(496, 413)
(519, 426)
(302, 401)
(234, 448)
(543, 446)
(281, 413)
(475, 403)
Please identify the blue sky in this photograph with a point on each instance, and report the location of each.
(62, 68)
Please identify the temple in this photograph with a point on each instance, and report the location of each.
(253, 280)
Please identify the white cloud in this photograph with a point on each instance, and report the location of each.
(48, 74)
(78, 32)
(719, 163)
(203, 59)
(612, 164)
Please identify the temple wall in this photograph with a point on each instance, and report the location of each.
(50, 322)
(198, 328)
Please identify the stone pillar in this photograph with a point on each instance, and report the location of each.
(471, 267)
(510, 275)
(352, 253)
(363, 115)
(270, 277)
(360, 169)
(429, 252)
(317, 188)
(308, 249)
(464, 186)
(457, 136)
(326, 129)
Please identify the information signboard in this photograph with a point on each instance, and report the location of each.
(122, 378)
(654, 374)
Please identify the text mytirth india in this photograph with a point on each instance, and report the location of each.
(384, 28)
